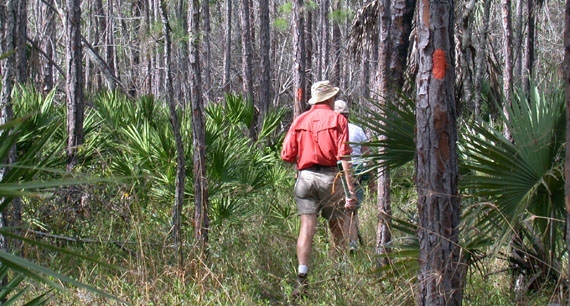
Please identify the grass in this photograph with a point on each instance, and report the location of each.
(251, 262)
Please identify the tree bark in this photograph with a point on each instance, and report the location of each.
(508, 60)
(529, 47)
(266, 88)
(48, 46)
(440, 276)
(395, 17)
(309, 77)
(174, 121)
(228, 48)
(382, 92)
(21, 72)
(8, 32)
(74, 81)
(299, 65)
(466, 60)
(247, 59)
(207, 50)
(567, 145)
(336, 38)
(480, 60)
(201, 221)
(324, 40)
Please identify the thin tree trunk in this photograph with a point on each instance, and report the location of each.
(247, 60)
(336, 68)
(21, 72)
(530, 45)
(110, 37)
(382, 93)
(466, 61)
(518, 39)
(207, 50)
(309, 78)
(508, 59)
(324, 41)
(8, 19)
(138, 8)
(48, 46)
(299, 65)
(266, 88)
(395, 26)
(74, 81)
(440, 276)
(174, 121)
(480, 60)
(228, 48)
(201, 221)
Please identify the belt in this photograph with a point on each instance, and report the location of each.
(320, 168)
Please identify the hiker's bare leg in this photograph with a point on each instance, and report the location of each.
(305, 240)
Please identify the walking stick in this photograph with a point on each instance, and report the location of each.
(347, 195)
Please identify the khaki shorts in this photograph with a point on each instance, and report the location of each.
(319, 192)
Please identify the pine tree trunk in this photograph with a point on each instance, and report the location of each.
(247, 59)
(466, 57)
(299, 65)
(201, 221)
(508, 59)
(174, 121)
(309, 78)
(21, 72)
(480, 60)
(48, 46)
(207, 50)
(8, 19)
(324, 39)
(382, 92)
(336, 38)
(396, 18)
(266, 88)
(440, 275)
(529, 47)
(74, 81)
(228, 48)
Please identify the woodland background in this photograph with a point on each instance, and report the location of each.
(140, 150)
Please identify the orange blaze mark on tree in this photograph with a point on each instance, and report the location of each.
(439, 64)
(300, 94)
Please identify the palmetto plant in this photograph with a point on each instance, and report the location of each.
(520, 184)
(138, 140)
(35, 134)
(513, 191)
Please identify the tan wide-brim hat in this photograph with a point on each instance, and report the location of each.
(322, 91)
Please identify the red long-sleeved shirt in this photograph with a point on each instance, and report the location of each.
(317, 137)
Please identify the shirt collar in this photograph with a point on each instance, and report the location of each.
(321, 106)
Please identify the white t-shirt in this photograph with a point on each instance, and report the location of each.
(356, 136)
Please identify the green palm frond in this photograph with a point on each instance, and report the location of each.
(523, 175)
(270, 123)
(10, 294)
(20, 180)
(394, 121)
(229, 209)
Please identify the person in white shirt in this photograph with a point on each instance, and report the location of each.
(357, 138)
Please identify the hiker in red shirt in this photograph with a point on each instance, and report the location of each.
(316, 141)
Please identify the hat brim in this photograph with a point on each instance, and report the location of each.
(324, 97)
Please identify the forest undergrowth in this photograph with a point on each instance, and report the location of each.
(250, 261)
(250, 257)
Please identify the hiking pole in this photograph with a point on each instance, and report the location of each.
(348, 196)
